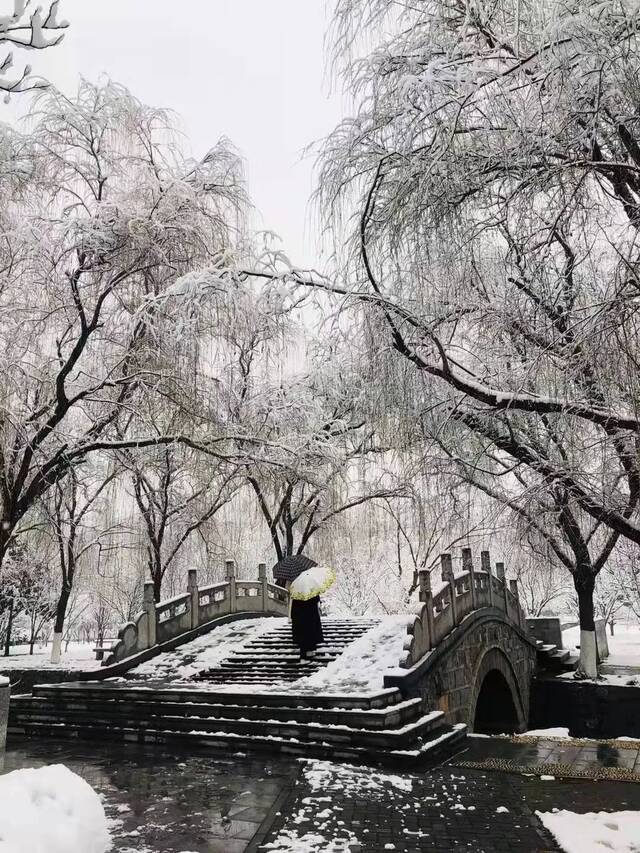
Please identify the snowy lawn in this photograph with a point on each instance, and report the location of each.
(594, 832)
(624, 646)
(50, 810)
(205, 652)
(80, 656)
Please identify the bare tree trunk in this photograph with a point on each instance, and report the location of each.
(7, 642)
(156, 577)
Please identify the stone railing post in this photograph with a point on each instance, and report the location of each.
(485, 564)
(149, 607)
(262, 577)
(513, 585)
(505, 589)
(467, 566)
(230, 574)
(5, 690)
(426, 597)
(447, 575)
(192, 588)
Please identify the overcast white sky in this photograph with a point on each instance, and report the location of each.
(252, 70)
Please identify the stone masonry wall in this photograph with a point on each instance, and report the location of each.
(453, 683)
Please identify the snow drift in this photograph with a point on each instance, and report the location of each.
(50, 810)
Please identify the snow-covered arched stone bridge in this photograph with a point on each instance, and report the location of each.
(216, 667)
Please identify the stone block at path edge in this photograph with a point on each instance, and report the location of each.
(4, 710)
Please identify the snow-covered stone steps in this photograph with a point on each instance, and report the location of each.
(371, 727)
(272, 658)
(188, 693)
(553, 659)
(398, 737)
(27, 709)
(435, 746)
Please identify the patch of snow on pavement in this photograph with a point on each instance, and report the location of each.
(289, 841)
(594, 832)
(326, 776)
(559, 731)
(51, 810)
(362, 665)
(319, 814)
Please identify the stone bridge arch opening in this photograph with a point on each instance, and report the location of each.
(497, 706)
(495, 709)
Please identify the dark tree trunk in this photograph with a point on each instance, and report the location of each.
(157, 584)
(61, 608)
(7, 642)
(585, 584)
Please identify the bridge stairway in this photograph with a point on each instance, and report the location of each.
(553, 659)
(272, 658)
(381, 728)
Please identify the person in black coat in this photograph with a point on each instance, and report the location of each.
(306, 626)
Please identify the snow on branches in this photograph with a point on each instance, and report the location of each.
(28, 28)
(489, 185)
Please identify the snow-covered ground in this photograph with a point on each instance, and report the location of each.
(624, 651)
(624, 646)
(80, 656)
(50, 810)
(557, 731)
(594, 832)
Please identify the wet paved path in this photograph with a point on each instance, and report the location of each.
(573, 758)
(165, 801)
(442, 810)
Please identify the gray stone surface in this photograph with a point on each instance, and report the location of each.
(452, 684)
(547, 629)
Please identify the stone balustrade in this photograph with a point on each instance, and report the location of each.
(165, 620)
(462, 594)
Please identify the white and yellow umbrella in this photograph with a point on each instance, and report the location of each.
(314, 581)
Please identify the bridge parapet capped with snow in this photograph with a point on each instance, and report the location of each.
(166, 620)
(462, 594)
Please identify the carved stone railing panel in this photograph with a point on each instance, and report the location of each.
(168, 619)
